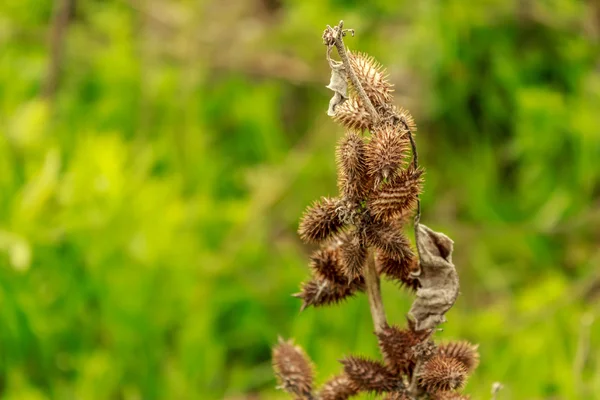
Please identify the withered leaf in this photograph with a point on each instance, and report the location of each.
(438, 279)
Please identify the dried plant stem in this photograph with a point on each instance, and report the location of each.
(374, 294)
(341, 49)
(371, 276)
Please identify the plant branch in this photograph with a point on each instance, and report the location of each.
(374, 294)
(335, 36)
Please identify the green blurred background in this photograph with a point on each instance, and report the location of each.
(155, 157)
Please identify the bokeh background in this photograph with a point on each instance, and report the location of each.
(155, 157)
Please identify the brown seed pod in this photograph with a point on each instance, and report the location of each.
(372, 77)
(338, 388)
(370, 376)
(293, 369)
(400, 348)
(351, 160)
(398, 197)
(441, 373)
(463, 351)
(353, 254)
(352, 115)
(389, 238)
(399, 270)
(386, 153)
(321, 292)
(326, 264)
(321, 220)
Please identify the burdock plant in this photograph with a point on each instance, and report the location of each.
(361, 237)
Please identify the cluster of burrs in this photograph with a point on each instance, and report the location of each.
(361, 237)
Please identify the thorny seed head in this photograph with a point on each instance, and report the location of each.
(372, 77)
(398, 197)
(463, 351)
(352, 115)
(321, 220)
(399, 348)
(370, 376)
(353, 254)
(293, 368)
(399, 270)
(386, 153)
(338, 388)
(442, 373)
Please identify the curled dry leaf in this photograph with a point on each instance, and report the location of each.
(339, 84)
(438, 279)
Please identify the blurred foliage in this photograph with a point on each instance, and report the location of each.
(148, 206)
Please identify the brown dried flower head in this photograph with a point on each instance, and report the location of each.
(321, 220)
(399, 270)
(326, 264)
(351, 160)
(353, 116)
(370, 376)
(373, 78)
(322, 292)
(398, 197)
(442, 373)
(354, 255)
(338, 388)
(463, 351)
(293, 369)
(386, 153)
(389, 238)
(400, 348)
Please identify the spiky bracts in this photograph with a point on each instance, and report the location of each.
(321, 220)
(401, 348)
(386, 153)
(338, 388)
(399, 270)
(373, 78)
(398, 197)
(370, 376)
(322, 292)
(464, 352)
(353, 116)
(354, 254)
(351, 160)
(293, 369)
(442, 373)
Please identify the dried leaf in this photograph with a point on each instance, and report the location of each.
(293, 369)
(339, 84)
(438, 279)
